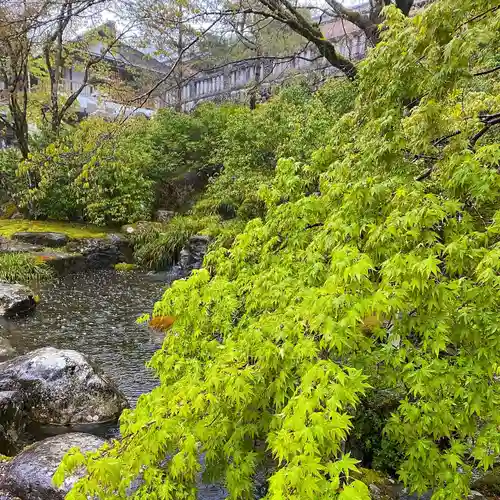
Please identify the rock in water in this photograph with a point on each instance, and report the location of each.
(29, 475)
(191, 256)
(102, 253)
(15, 299)
(61, 387)
(45, 239)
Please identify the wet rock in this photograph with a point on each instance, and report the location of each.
(13, 246)
(29, 475)
(191, 256)
(11, 421)
(6, 349)
(15, 299)
(45, 239)
(164, 215)
(61, 387)
(63, 262)
(101, 253)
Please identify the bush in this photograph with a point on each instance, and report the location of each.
(24, 268)
(98, 173)
(9, 182)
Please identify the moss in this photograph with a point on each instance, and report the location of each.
(381, 481)
(5, 458)
(123, 266)
(76, 231)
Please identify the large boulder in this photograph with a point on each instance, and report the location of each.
(102, 253)
(12, 246)
(29, 475)
(15, 299)
(61, 387)
(44, 239)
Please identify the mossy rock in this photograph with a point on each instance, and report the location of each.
(381, 486)
(124, 266)
(488, 482)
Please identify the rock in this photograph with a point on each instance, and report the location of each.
(5, 495)
(61, 387)
(15, 299)
(29, 475)
(128, 229)
(63, 262)
(12, 246)
(191, 256)
(101, 253)
(475, 495)
(45, 239)
(164, 215)
(6, 349)
(11, 421)
(487, 482)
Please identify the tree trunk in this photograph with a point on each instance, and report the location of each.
(329, 52)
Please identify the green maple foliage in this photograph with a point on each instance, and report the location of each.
(269, 354)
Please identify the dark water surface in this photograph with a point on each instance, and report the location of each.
(94, 313)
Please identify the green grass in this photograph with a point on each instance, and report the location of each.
(157, 245)
(76, 231)
(23, 268)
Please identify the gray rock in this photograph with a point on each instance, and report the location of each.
(5, 495)
(100, 253)
(12, 424)
(6, 349)
(191, 256)
(45, 239)
(29, 475)
(61, 387)
(13, 246)
(15, 299)
(63, 262)
(164, 215)
(475, 495)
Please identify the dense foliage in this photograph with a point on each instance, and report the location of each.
(375, 264)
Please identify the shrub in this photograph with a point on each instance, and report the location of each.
(99, 173)
(157, 246)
